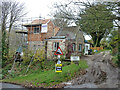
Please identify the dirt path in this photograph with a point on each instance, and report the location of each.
(100, 74)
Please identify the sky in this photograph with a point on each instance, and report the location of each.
(36, 8)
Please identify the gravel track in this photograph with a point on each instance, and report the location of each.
(100, 74)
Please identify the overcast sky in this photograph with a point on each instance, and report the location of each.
(36, 8)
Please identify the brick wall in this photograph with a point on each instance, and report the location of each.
(34, 45)
(41, 36)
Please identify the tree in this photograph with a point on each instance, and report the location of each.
(95, 18)
(58, 21)
(59, 18)
(96, 21)
(113, 39)
(11, 13)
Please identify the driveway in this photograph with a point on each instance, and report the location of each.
(100, 74)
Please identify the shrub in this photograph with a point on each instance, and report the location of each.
(27, 56)
(62, 57)
(114, 51)
(40, 57)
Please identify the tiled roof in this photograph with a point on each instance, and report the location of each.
(69, 32)
(37, 22)
(40, 21)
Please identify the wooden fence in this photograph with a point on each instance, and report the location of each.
(96, 48)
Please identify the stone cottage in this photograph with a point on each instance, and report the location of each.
(69, 39)
(43, 33)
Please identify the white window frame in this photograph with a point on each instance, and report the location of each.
(74, 47)
(44, 28)
(55, 46)
(86, 47)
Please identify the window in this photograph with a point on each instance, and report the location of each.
(36, 30)
(74, 47)
(44, 28)
(55, 46)
(80, 47)
(86, 47)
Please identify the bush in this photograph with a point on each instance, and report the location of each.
(62, 57)
(40, 57)
(27, 56)
(115, 51)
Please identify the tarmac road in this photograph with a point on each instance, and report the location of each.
(7, 86)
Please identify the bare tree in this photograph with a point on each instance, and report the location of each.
(76, 9)
(59, 21)
(12, 11)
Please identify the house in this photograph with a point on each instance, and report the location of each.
(87, 47)
(38, 31)
(43, 33)
(69, 39)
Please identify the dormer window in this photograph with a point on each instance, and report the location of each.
(44, 28)
(36, 30)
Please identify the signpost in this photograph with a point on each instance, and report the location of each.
(58, 66)
(75, 58)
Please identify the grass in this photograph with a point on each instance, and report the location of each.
(101, 51)
(34, 68)
(49, 78)
(115, 61)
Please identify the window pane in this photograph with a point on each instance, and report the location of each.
(57, 45)
(74, 47)
(80, 47)
(86, 48)
(36, 30)
(54, 46)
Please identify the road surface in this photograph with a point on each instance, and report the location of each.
(7, 86)
(100, 74)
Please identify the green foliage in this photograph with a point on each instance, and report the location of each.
(40, 57)
(62, 57)
(113, 39)
(4, 49)
(103, 50)
(104, 43)
(50, 78)
(115, 61)
(96, 21)
(83, 64)
(27, 56)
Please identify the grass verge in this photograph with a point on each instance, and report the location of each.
(115, 61)
(50, 78)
